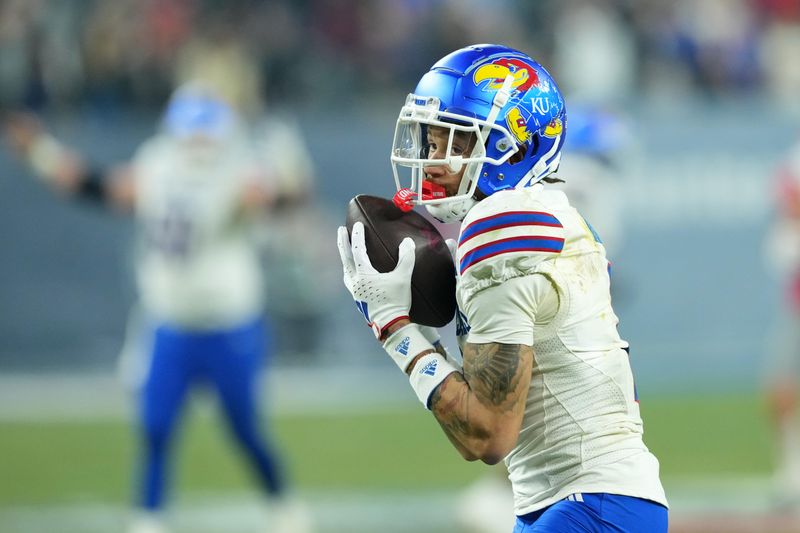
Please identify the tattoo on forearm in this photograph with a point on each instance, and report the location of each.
(492, 374)
(453, 414)
(457, 379)
(492, 370)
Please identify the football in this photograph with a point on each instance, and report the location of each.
(433, 282)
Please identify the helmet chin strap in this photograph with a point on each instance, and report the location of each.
(540, 169)
(451, 212)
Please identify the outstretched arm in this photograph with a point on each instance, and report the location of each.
(64, 169)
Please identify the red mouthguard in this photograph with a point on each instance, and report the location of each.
(432, 191)
(404, 199)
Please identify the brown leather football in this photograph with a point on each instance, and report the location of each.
(433, 282)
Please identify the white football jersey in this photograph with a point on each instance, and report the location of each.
(533, 272)
(198, 266)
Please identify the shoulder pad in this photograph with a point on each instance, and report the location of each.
(507, 226)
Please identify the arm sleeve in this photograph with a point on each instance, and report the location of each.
(506, 313)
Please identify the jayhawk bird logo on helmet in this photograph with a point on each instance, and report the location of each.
(492, 75)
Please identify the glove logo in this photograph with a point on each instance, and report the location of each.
(362, 306)
(430, 368)
(403, 346)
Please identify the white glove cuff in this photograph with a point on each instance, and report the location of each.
(428, 373)
(405, 344)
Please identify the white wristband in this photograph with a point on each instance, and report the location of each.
(45, 155)
(428, 373)
(405, 344)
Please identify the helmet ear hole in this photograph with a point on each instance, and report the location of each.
(519, 155)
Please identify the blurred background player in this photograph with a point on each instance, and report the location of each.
(783, 367)
(298, 288)
(592, 165)
(196, 189)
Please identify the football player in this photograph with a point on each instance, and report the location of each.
(783, 361)
(546, 383)
(590, 165)
(195, 189)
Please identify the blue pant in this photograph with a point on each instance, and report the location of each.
(596, 513)
(229, 361)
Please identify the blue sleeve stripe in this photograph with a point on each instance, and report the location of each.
(514, 244)
(506, 220)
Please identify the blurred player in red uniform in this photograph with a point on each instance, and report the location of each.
(783, 368)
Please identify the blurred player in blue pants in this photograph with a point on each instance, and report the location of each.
(227, 360)
(196, 189)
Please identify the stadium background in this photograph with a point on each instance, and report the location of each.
(708, 91)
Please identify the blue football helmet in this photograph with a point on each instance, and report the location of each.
(196, 110)
(506, 100)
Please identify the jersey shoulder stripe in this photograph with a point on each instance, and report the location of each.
(509, 232)
(512, 244)
(505, 220)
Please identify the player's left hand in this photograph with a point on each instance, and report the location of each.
(383, 298)
(452, 247)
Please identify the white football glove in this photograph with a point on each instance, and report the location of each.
(452, 246)
(383, 298)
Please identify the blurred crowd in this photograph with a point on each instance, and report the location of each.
(67, 53)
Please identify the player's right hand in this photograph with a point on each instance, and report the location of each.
(383, 298)
(49, 160)
(21, 130)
